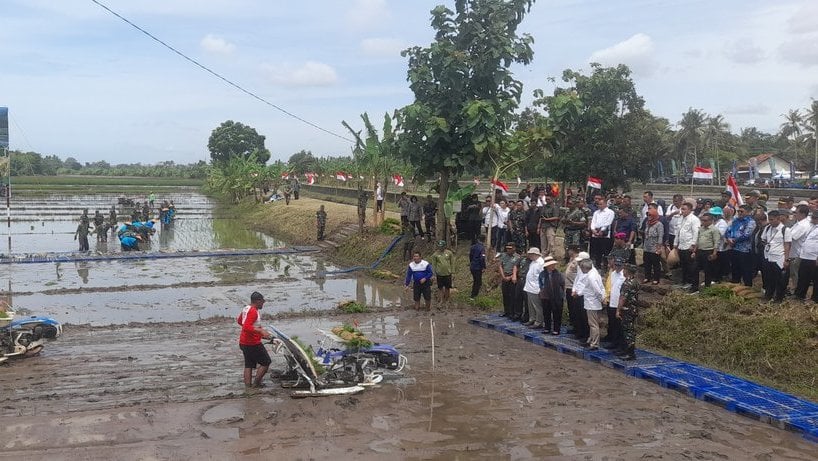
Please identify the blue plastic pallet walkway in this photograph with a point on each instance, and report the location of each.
(71, 257)
(732, 393)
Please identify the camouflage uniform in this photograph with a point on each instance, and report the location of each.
(518, 222)
(82, 233)
(630, 311)
(112, 219)
(573, 234)
(321, 218)
(98, 220)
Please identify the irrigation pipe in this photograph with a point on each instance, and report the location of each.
(374, 265)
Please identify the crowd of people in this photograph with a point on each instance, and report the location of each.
(131, 233)
(711, 241)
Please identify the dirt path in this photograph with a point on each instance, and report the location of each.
(173, 391)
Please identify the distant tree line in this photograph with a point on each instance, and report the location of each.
(34, 164)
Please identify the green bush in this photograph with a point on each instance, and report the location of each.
(717, 291)
(390, 226)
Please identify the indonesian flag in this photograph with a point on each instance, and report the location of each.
(397, 179)
(476, 181)
(310, 178)
(341, 176)
(499, 185)
(736, 199)
(285, 175)
(519, 181)
(700, 172)
(595, 183)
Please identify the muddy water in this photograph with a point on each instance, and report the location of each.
(167, 290)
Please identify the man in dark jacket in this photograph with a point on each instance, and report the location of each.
(477, 264)
(552, 294)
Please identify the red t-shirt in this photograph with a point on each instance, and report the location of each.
(248, 319)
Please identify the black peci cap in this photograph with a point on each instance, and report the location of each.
(256, 296)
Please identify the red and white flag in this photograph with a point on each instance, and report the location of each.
(736, 199)
(285, 175)
(499, 185)
(595, 183)
(310, 178)
(341, 176)
(397, 179)
(700, 172)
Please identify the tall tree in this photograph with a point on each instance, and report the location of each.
(716, 134)
(601, 127)
(690, 135)
(301, 162)
(235, 139)
(465, 92)
(791, 130)
(811, 128)
(376, 154)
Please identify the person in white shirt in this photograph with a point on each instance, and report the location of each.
(379, 197)
(686, 236)
(647, 198)
(601, 238)
(799, 231)
(674, 217)
(532, 287)
(500, 223)
(593, 292)
(777, 239)
(808, 264)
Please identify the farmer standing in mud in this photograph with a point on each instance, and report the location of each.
(321, 222)
(255, 354)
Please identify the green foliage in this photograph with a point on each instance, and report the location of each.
(390, 226)
(301, 162)
(601, 127)
(235, 139)
(358, 342)
(241, 177)
(3, 315)
(35, 164)
(717, 291)
(311, 354)
(352, 307)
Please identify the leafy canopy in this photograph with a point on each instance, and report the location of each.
(235, 139)
(465, 94)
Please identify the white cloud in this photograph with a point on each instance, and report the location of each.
(804, 20)
(637, 52)
(311, 73)
(744, 51)
(217, 45)
(367, 13)
(382, 46)
(803, 50)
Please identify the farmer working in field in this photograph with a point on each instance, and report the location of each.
(255, 354)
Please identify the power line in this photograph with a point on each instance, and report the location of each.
(219, 76)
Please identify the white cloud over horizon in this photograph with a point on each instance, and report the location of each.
(310, 73)
(217, 45)
(637, 52)
(82, 83)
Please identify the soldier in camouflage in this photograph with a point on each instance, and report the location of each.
(517, 219)
(575, 223)
(628, 311)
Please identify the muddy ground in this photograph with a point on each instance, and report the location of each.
(174, 391)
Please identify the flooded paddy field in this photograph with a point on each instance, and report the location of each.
(149, 368)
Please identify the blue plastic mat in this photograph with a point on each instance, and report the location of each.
(731, 392)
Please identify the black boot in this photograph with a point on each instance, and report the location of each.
(630, 353)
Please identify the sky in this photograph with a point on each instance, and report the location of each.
(80, 82)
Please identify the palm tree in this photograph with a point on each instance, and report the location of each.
(715, 132)
(689, 136)
(791, 129)
(810, 126)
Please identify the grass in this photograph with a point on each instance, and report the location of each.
(772, 344)
(352, 307)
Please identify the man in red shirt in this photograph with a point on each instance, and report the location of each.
(255, 354)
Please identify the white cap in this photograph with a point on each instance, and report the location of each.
(534, 251)
(582, 256)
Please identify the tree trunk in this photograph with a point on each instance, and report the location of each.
(442, 220)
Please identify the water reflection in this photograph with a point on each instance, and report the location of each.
(82, 270)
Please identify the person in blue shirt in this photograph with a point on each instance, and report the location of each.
(419, 274)
(477, 264)
(739, 239)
